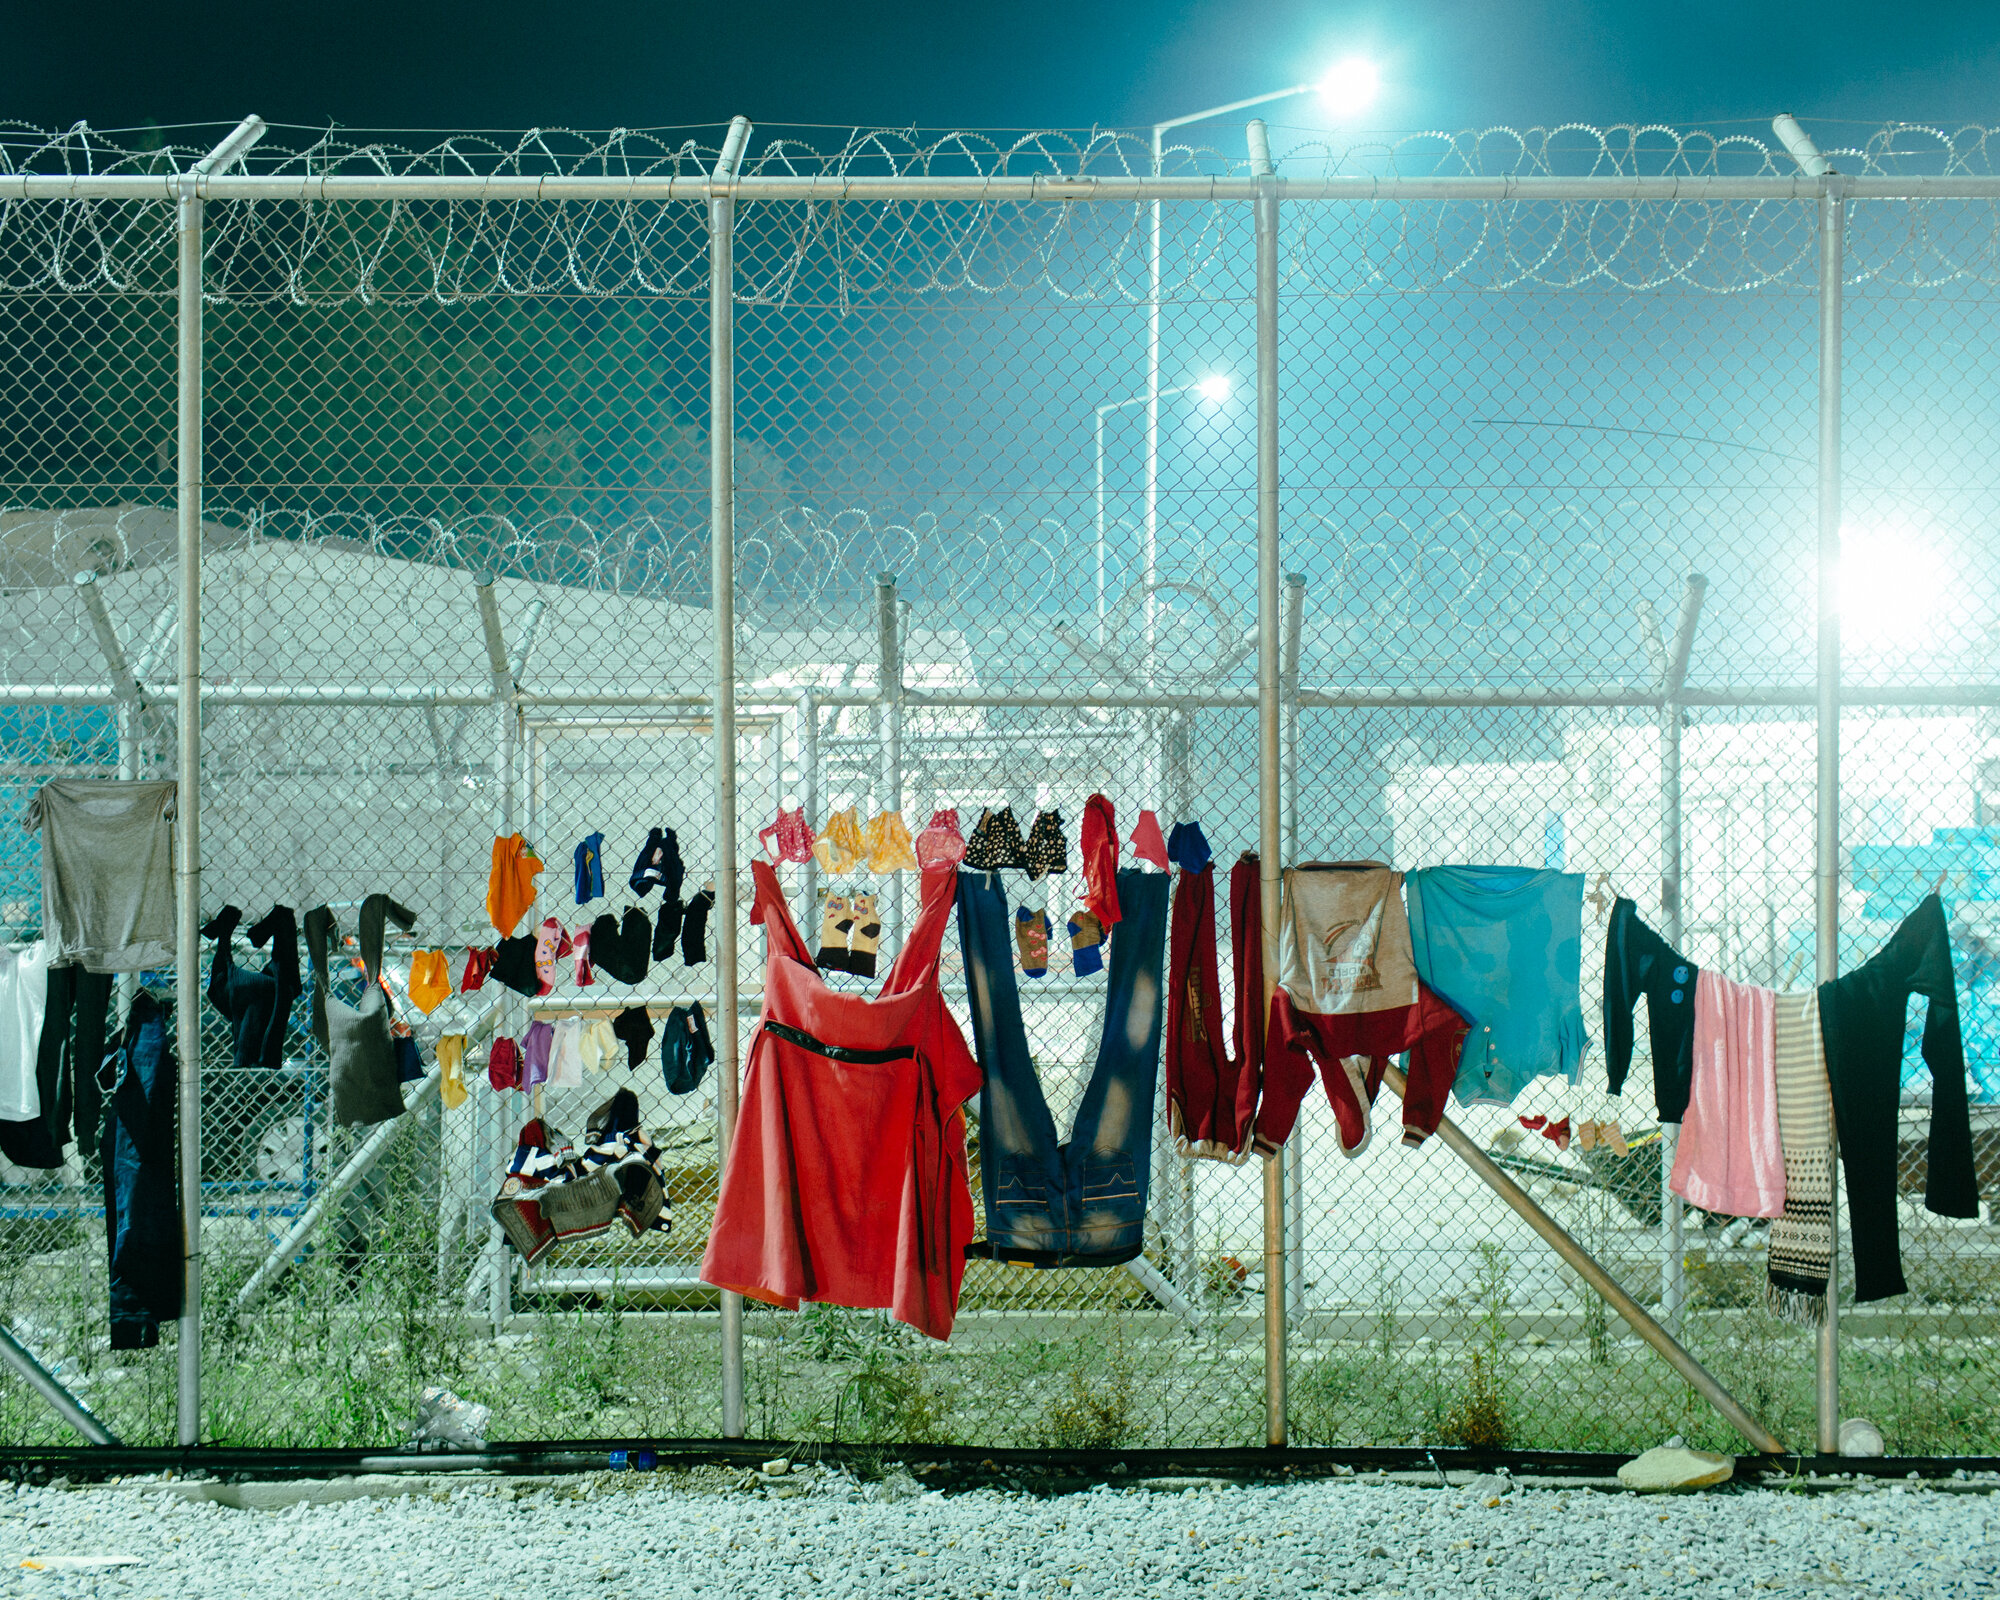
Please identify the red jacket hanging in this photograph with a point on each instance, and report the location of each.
(1212, 1097)
(846, 1180)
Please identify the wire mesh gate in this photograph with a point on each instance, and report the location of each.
(979, 447)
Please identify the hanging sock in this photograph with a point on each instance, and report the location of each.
(941, 844)
(451, 1070)
(598, 1045)
(1048, 850)
(1100, 859)
(430, 980)
(586, 973)
(1031, 938)
(834, 928)
(1148, 844)
(1187, 847)
(551, 943)
(864, 938)
(634, 1025)
(694, 929)
(839, 846)
(590, 868)
(793, 834)
(659, 864)
(887, 839)
(1086, 944)
(996, 843)
(667, 928)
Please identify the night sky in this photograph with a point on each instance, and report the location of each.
(503, 64)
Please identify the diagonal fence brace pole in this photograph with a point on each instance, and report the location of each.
(1586, 1266)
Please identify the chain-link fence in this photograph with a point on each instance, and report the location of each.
(989, 524)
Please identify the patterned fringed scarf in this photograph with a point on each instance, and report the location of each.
(1802, 1239)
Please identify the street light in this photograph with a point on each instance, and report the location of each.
(1214, 389)
(1349, 87)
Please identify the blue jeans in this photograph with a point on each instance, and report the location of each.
(142, 1220)
(1080, 1203)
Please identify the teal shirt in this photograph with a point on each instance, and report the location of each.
(1505, 946)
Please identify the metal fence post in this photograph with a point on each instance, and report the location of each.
(187, 833)
(1295, 1149)
(1670, 669)
(722, 536)
(888, 630)
(1826, 874)
(1270, 831)
(187, 740)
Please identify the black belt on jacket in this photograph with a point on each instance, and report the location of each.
(836, 1052)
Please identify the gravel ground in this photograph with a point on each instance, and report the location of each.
(824, 1533)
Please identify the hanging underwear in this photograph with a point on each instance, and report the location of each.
(887, 841)
(503, 1064)
(430, 980)
(478, 963)
(685, 1049)
(1080, 1202)
(839, 847)
(1048, 850)
(996, 843)
(846, 1182)
(793, 834)
(941, 844)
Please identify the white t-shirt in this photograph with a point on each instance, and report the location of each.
(24, 996)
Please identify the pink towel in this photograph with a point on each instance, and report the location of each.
(1148, 843)
(1730, 1161)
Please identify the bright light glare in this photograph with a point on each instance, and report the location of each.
(1891, 580)
(1213, 388)
(1350, 86)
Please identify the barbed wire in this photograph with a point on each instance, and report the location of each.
(850, 255)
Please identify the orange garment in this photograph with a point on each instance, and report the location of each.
(510, 888)
(886, 839)
(430, 980)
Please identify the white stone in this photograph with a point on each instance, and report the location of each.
(1664, 1469)
(1860, 1437)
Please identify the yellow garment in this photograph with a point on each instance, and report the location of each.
(599, 1045)
(890, 848)
(510, 887)
(839, 845)
(430, 980)
(451, 1070)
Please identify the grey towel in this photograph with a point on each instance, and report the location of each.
(107, 872)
